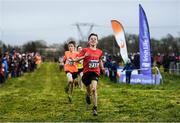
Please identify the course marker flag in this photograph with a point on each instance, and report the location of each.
(120, 38)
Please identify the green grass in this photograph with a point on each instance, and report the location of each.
(40, 96)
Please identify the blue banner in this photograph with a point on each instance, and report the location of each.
(139, 78)
(144, 44)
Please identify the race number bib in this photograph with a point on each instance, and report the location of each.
(70, 62)
(94, 64)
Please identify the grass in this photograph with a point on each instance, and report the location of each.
(40, 96)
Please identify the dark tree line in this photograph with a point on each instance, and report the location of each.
(166, 45)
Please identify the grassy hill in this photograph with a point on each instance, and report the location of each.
(40, 96)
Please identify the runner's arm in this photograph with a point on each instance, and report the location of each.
(101, 66)
(81, 56)
(78, 58)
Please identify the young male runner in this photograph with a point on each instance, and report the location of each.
(91, 69)
(70, 68)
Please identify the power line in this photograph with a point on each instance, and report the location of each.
(83, 37)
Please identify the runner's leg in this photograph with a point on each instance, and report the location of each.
(94, 96)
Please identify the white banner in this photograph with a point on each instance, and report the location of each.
(120, 38)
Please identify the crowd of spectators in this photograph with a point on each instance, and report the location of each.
(14, 64)
(169, 63)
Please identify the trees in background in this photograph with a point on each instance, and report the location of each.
(167, 44)
(34, 46)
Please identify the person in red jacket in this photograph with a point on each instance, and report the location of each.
(91, 69)
(1, 72)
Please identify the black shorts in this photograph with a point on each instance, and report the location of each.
(74, 74)
(88, 77)
(80, 70)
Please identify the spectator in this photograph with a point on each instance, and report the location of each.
(158, 60)
(128, 67)
(166, 63)
(5, 65)
(1, 72)
(136, 62)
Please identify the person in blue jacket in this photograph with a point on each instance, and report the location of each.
(128, 68)
(5, 64)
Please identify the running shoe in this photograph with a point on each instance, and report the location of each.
(95, 111)
(88, 99)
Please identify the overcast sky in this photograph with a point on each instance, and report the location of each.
(52, 20)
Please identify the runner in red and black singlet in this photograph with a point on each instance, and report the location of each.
(91, 69)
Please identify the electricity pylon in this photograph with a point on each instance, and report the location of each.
(83, 36)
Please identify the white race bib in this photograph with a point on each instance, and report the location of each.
(94, 64)
(70, 62)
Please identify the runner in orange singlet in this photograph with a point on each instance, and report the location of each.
(70, 68)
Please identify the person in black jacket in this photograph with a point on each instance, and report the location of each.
(136, 62)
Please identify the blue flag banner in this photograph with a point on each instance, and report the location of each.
(145, 77)
(144, 44)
